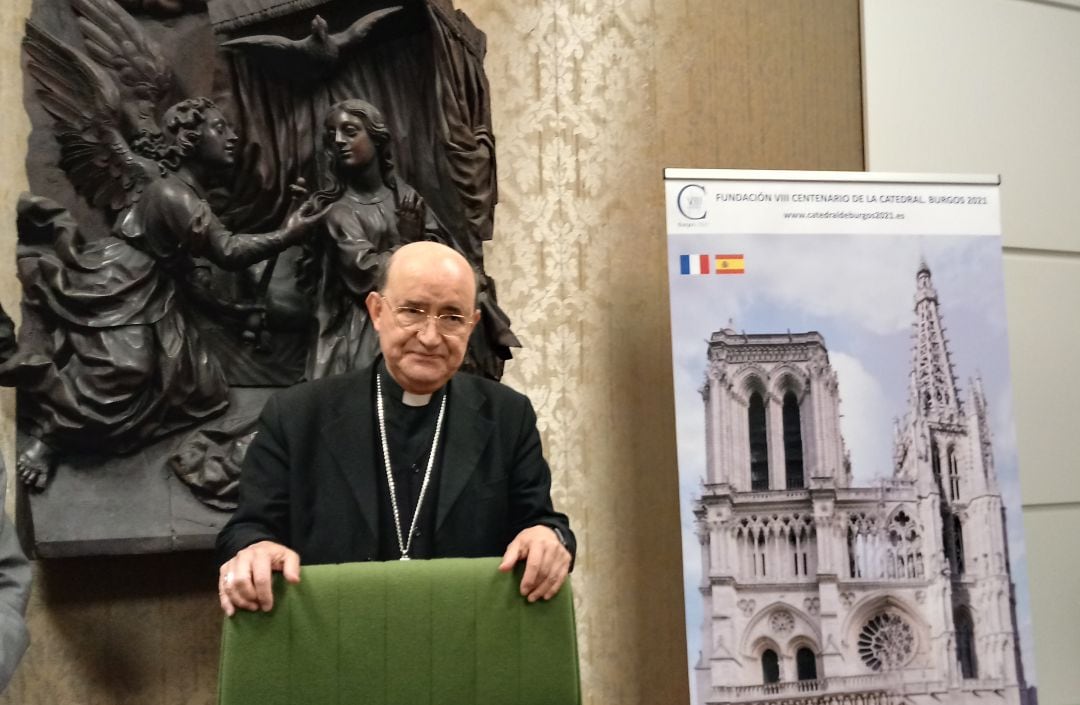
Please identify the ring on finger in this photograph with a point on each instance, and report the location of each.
(228, 579)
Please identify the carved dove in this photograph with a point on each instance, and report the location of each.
(311, 57)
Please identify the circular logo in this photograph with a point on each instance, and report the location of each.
(691, 202)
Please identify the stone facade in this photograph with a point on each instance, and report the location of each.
(819, 591)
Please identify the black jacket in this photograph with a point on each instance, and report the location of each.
(309, 477)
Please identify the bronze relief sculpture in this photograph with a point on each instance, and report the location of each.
(179, 262)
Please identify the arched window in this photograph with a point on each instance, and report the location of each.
(852, 553)
(770, 667)
(806, 664)
(800, 545)
(904, 547)
(793, 459)
(935, 462)
(958, 545)
(965, 644)
(954, 475)
(759, 445)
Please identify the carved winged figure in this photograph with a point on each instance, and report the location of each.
(315, 55)
(116, 361)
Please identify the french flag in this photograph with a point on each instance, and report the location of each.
(695, 264)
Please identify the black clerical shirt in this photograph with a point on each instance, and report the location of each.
(409, 432)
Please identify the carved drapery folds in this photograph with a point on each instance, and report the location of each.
(466, 133)
(465, 120)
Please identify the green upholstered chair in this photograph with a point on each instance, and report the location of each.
(440, 632)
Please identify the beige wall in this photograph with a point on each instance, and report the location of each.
(992, 89)
(591, 101)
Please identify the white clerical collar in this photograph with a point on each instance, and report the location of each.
(410, 399)
(394, 390)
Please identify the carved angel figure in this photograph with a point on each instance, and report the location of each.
(117, 361)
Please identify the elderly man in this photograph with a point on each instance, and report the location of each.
(400, 460)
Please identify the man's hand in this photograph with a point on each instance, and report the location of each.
(547, 562)
(244, 580)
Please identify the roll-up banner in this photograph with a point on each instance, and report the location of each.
(848, 477)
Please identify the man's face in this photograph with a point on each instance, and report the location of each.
(438, 281)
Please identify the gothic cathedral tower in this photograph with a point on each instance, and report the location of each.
(944, 448)
(817, 590)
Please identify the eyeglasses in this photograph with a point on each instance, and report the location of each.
(412, 318)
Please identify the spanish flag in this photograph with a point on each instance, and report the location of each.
(730, 264)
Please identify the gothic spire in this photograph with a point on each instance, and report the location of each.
(978, 398)
(934, 393)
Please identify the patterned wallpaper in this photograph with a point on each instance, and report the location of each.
(591, 100)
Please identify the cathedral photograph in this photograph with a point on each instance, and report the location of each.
(848, 473)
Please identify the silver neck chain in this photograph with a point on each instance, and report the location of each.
(405, 544)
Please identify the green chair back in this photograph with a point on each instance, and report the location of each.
(439, 632)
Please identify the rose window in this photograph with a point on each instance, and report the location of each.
(781, 621)
(886, 642)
